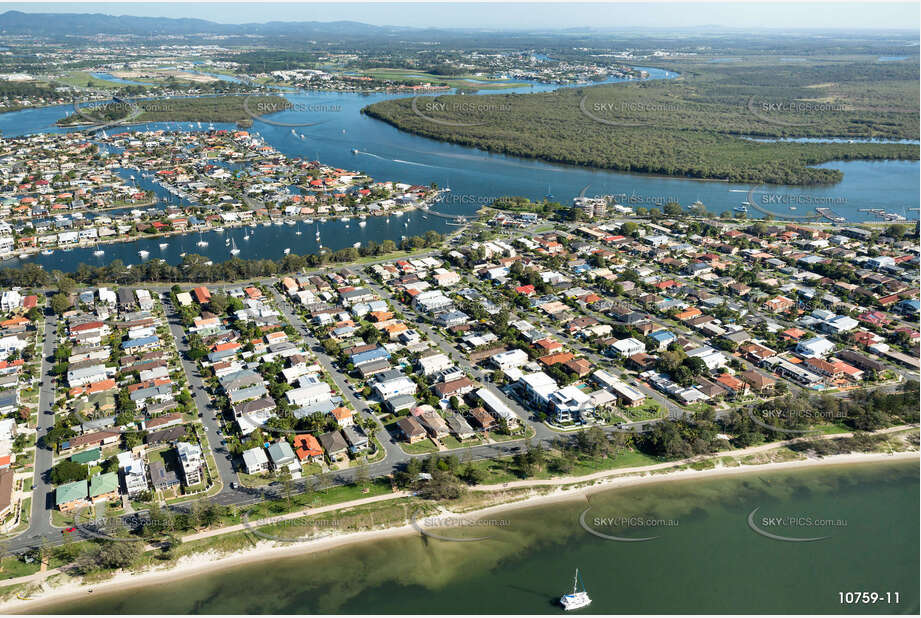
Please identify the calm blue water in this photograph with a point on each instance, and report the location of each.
(118, 80)
(220, 76)
(333, 126)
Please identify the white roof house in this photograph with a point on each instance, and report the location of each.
(628, 347)
(255, 460)
(433, 364)
(840, 324)
(509, 359)
(815, 347)
(309, 394)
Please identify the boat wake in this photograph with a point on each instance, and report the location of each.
(413, 163)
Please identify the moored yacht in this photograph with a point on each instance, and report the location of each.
(577, 598)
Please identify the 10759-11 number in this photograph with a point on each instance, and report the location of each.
(868, 598)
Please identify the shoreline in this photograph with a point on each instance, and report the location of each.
(213, 562)
(38, 250)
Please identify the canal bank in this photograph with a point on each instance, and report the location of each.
(524, 563)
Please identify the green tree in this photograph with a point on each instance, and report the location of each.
(68, 471)
(60, 303)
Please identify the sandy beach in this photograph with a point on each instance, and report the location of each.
(210, 562)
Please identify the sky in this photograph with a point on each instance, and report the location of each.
(825, 15)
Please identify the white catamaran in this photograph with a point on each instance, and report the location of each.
(578, 599)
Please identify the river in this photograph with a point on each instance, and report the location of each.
(332, 127)
(705, 559)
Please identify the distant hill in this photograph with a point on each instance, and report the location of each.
(87, 24)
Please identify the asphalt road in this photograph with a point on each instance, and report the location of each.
(42, 490)
(209, 413)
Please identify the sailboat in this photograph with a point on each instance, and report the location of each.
(98, 251)
(201, 241)
(549, 195)
(578, 598)
(298, 232)
(233, 247)
(318, 231)
(246, 236)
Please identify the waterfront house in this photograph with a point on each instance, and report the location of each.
(71, 496)
(335, 446)
(411, 430)
(307, 448)
(357, 438)
(255, 461)
(103, 487)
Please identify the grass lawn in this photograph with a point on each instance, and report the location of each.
(625, 459)
(344, 493)
(832, 428)
(60, 519)
(500, 437)
(451, 442)
(25, 512)
(503, 470)
(419, 448)
(14, 567)
(80, 79)
(253, 480)
(310, 469)
(645, 412)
